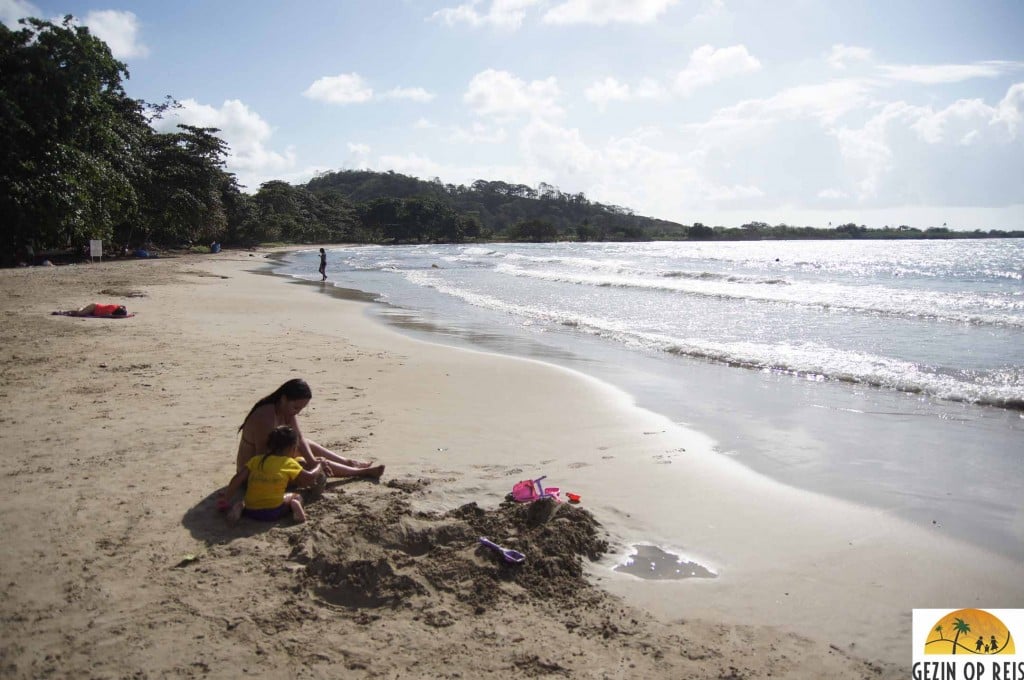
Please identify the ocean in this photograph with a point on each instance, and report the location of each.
(888, 373)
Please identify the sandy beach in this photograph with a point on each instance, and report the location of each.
(117, 434)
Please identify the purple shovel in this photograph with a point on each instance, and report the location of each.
(511, 556)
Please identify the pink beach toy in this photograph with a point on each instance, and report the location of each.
(531, 490)
(510, 556)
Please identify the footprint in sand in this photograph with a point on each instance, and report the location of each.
(576, 466)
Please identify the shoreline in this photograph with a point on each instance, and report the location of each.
(149, 406)
(881, 449)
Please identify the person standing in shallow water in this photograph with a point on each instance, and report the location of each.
(281, 407)
(323, 265)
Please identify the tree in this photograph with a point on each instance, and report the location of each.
(960, 627)
(184, 187)
(699, 231)
(536, 231)
(69, 136)
(279, 211)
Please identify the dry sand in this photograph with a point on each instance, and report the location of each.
(117, 433)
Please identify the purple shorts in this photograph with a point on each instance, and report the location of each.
(267, 514)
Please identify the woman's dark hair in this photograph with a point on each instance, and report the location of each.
(292, 390)
(280, 441)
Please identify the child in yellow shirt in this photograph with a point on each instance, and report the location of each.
(268, 477)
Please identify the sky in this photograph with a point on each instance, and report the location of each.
(804, 112)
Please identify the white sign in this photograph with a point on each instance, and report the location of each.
(96, 248)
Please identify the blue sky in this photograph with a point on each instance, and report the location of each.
(718, 111)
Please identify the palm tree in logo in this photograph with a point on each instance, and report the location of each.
(938, 629)
(960, 627)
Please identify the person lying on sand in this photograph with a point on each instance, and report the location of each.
(267, 477)
(281, 407)
(96, 309)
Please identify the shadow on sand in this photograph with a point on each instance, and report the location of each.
(209, 525)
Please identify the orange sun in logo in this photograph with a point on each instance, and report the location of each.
(969, 631)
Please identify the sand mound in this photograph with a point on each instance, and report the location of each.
(392, 555)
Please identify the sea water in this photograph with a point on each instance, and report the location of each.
(890, 373)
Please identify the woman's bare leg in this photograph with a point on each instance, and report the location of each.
(342, 470)
(321, 452)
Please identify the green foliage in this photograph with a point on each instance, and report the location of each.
(69, 136)
(80, 161)
(184, 187)
(699, 231)
(485, 209)
(536, 231)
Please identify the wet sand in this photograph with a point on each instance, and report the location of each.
(116, 563)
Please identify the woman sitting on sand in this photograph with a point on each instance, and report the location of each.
(281, 408)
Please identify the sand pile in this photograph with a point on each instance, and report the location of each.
(391, 555)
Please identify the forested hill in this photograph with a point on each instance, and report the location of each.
(491, 208)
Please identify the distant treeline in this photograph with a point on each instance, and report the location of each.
(397, 208)
(80, 160)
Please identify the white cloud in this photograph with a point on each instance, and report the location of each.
(731, 193)
(939, 126)
(424, 124)
(416, 94)
(1010, 111)
(410, 164)
(638, 170)
(843, 56)
(607, 90)
(610, 89)
(351, 88)
(120, 30)
(503, 96)
(359, 149)
(12, 10)
(865, 151)
(345, 88)
(245, 132)
(477, 134)
(934, 74)
(607, 11)
(825, 102)
(508, 14)
(708, 65)
(962, 154)
(713, 13)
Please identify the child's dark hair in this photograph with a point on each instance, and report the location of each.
(281, 440)
(292, 390)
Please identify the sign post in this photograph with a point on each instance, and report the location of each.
(96, 249)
